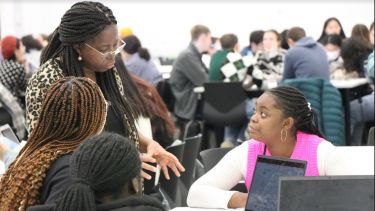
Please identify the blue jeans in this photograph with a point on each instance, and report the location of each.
(361, 111)
(236, 134)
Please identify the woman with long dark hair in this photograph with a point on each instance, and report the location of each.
(332, 26)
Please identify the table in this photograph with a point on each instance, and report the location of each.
(350, 90)
(200, 209)
(250, 93)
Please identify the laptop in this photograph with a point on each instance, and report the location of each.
(326, 193)
(7, 132)
(264, 187)
(9, 139)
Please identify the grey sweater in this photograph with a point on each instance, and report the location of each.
(306, 59)
(187, 73)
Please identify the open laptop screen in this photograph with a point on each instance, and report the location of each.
(6, 131)
(333, 193)
(264, 187)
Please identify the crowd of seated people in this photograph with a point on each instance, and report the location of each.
(85, 99)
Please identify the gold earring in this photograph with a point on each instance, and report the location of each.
(283, 138)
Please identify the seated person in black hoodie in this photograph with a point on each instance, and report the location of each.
(101, 170)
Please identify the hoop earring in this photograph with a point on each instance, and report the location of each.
(283, 137)
(79, 58)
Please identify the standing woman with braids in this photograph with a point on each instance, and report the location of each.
(85, 44)
(74, 110)
(283, 125)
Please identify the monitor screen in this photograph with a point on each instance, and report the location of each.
(264, 187)
(333, 193)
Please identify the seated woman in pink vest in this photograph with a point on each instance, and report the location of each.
(283, 125)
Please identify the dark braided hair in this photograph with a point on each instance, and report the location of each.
(294, 104)
(74, 110)
(102, 165)
(82, 22)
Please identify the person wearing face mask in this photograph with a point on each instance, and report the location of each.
(332, 26)
(355, 53)
(13, 68)
(332, 45)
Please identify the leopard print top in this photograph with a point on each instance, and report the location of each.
(40, 82)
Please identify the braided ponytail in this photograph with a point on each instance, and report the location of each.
(294, 104)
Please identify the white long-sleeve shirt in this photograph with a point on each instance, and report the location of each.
(212, 189)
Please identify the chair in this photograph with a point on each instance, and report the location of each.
(326, 101)
(370, 140)
(191, 128)
(211, 157)
(170, 188)
(166, 94)
(224, 103)
(191, 151)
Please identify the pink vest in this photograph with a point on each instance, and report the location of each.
(305, 149)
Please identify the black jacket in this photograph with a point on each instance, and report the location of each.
(143, 203)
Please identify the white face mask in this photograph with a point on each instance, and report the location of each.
(333, 55)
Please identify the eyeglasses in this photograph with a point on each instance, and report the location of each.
(109, 55)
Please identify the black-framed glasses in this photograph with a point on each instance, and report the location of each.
(109, 55)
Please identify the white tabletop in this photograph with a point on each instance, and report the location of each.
(199, 89)
(347, 84)
(200, 209)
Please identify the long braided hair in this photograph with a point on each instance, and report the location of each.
(74, 110)
(102, 166)
(82, 22)
(294, 104)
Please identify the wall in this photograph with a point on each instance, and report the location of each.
(164, 25)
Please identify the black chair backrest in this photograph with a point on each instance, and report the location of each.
(166, 94)
(370, 140)
(170, 186)
(224, 103)
(191, 151)
(211, 157)
(191, 129)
